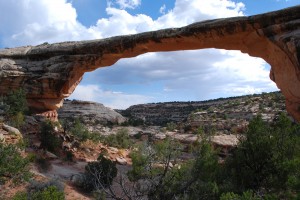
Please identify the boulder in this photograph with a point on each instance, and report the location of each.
(121, 161)
(50, 155)
(2, 138)
(12, 130)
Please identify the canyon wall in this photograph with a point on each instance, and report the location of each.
(50, 72)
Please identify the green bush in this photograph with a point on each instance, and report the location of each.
(267, 158)
(48, 139)
(69, 156)
(17, 120)
(99, 174)
(17, 103)
(51, 190)
(120, 139)
(49, 193)
(12, 165)
(194, 179)
(79, 131)
(171, 126)
(20, 196)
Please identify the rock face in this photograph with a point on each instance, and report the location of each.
(224, 113)
(50, 72)
(90, 112)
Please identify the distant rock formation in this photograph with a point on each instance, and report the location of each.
(50, 72)
(90, 112)
(222, 113)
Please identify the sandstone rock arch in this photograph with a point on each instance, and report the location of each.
(50, 72)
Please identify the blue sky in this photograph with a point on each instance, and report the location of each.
(152, 77)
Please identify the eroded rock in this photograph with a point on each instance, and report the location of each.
(12, 130)
(94, 115)
(50, 72)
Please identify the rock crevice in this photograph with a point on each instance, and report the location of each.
(50, 72)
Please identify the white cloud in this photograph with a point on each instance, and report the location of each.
(121, 22)
(132, 4)
(111, 99)
(189, 11)
(162, 9)
(201, 74)
(30, 22)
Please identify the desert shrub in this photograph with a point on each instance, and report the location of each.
(99, 174)
(17, 120)
(120, 139)
(20, 196)
(49, 193)
(48, 139)
(171, 126)
(16, 101)
(133, 122)
(66, 124)
(15, 105)
(96, 137)
(138, 135)
(69, 156)
(199, 131)
(267, 158)
(194, 179)
(80, 131)
(51, 190)
(12, 165)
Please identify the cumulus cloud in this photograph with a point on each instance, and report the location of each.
(30, 22)
(121, 22)
(200, 74)
(186, 12)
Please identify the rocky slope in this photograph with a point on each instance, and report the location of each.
(238, 109)
(50, 72)
(92, 114)
(233, 116)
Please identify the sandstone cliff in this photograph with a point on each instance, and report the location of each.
(91, 113)
(50, 72)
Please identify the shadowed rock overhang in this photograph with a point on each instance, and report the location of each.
(50, 72)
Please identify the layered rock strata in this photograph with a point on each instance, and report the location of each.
(91, 113)
(50, 72)
(220, 114)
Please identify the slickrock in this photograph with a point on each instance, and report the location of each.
(50, 72)
(90, 112)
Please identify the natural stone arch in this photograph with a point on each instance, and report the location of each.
(50, 72)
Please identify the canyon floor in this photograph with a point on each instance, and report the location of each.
(184, 121)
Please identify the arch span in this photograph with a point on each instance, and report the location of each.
(50, 72)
